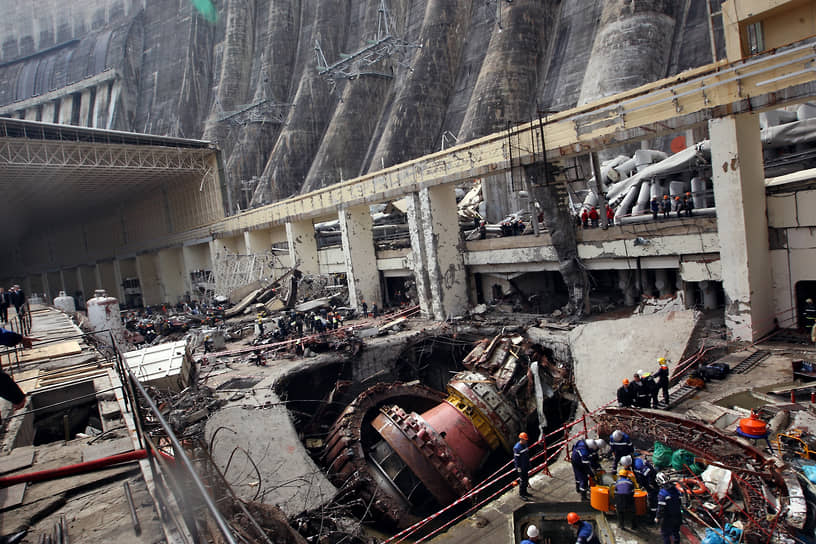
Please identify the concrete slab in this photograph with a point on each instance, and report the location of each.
(17, 459)
(12, 496)
(605, 352)
(289, 477)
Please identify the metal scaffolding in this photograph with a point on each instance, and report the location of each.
(359, 63)
(232, 270)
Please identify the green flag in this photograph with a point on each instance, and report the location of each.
(206, 9)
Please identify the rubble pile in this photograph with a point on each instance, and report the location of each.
(188, 410)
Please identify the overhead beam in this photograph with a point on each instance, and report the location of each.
(768, 81)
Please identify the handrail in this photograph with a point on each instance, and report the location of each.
(503, 473)
(181, 455)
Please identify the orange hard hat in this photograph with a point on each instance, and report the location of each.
(665, 197)
(625, 381)
(523, 436)
(688, 194)
(677, 198)
(573, 518)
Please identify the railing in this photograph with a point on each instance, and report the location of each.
(180, 493)
(540, 460)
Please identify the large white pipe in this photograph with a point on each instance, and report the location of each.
(642, 205)
(626, 203)
(699, 192)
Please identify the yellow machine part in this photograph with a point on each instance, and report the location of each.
(480, 421)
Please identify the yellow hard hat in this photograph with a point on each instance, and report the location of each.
(661, 361)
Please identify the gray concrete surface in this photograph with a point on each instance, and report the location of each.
(605, 352)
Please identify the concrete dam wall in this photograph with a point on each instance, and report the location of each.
(245, 73)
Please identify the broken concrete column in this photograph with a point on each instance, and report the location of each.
(742, 223)
(303, 246)
(170, 269)
(438, 266)
(360, 257)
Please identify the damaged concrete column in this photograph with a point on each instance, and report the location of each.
(438, 265)
(302, 242)
(360, 256)
(742, 223)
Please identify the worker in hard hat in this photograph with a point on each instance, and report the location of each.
(669, 509)
(626, 395)
(642, 393)
(521, 458)
(532, 535)
(582, 466)
(688, 204)
(651, 387)
(621, 445)
(645, 476)
(809, 318)
(585, 530)
(662, 379)
(625, 499)
(665, 206)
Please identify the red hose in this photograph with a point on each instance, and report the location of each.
(70, 470)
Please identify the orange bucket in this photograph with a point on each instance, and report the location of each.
(599, 498)
(641, 503)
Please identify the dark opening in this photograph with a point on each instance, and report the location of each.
(65, 411)
(805, 289)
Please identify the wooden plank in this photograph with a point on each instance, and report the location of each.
(49, 352)
(106, 449)
(12, 496)
(25, 381)
(17, 459)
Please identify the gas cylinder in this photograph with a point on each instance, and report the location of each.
(65, 303)
(103, 314)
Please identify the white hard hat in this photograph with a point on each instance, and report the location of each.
(640, 372)
(532, 531)
(625, 461)
(600, 443)
(617, 436)
(591, 444)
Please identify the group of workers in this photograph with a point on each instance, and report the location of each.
(592, 217)
(669, 516)
(632, 472)
(666, 205)
(642, 391)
